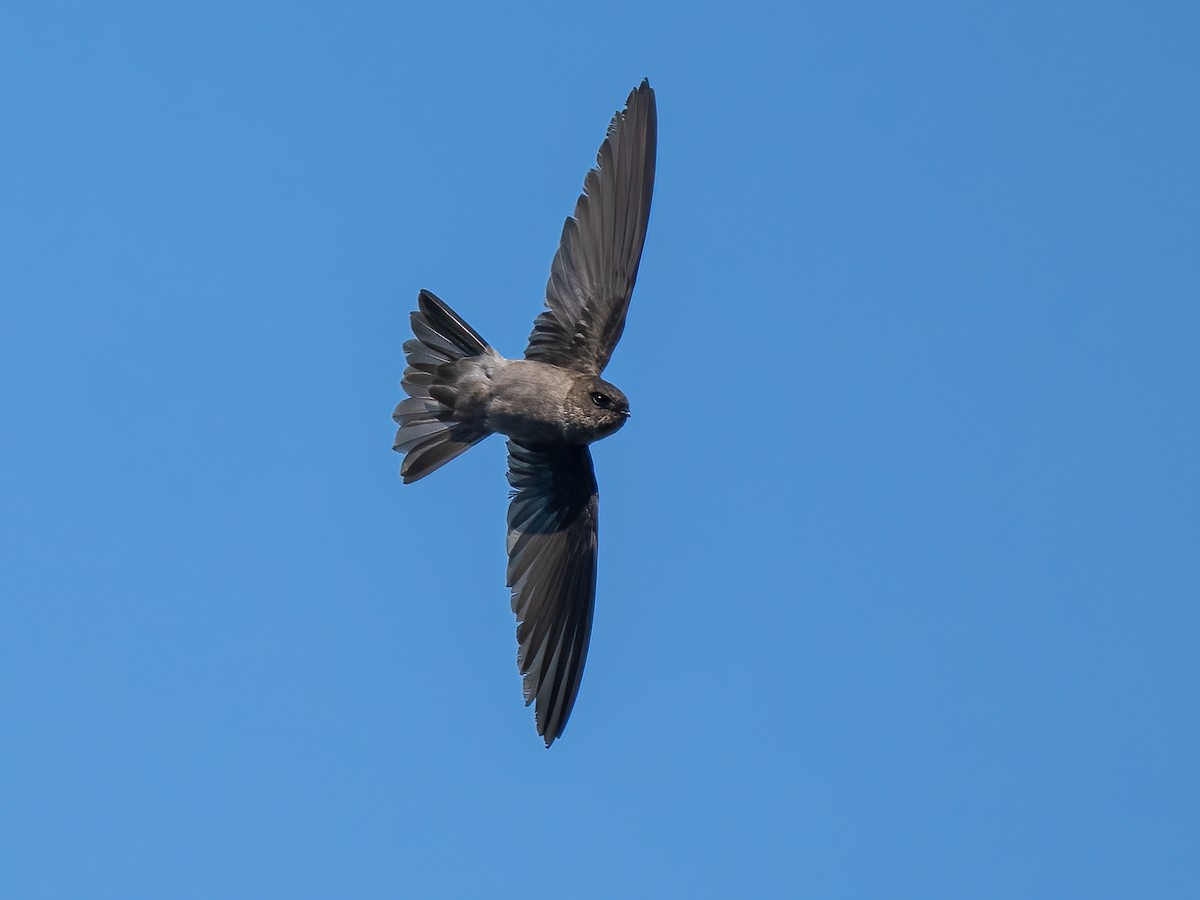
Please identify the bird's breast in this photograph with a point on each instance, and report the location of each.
(528, 401)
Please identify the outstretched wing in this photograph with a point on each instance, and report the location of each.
(591, 279)
(552, 573)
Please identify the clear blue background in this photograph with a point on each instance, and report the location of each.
(898, 579)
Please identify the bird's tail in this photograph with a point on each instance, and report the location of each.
(430, 435)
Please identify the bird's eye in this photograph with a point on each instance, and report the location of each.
(601, 400)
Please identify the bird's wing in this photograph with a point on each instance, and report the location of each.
(592, 276)
(552, 573)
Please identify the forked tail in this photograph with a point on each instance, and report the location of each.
(429, 435)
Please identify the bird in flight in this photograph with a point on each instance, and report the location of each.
(550, 405)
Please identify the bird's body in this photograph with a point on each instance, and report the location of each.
(530, 403)
(551, 405)
(533, 402)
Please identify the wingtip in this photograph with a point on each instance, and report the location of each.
(427, 300)
(643, 105)
(642, 92)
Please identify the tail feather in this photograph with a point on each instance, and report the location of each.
(429, 435)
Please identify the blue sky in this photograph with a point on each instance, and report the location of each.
(898, 577)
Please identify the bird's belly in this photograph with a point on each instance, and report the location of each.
(527, 400)
(527, 429)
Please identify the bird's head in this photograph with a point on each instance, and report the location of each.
(596, 409)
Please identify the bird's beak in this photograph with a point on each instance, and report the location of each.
(624, 414)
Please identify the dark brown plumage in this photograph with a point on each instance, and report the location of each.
(551, 405)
